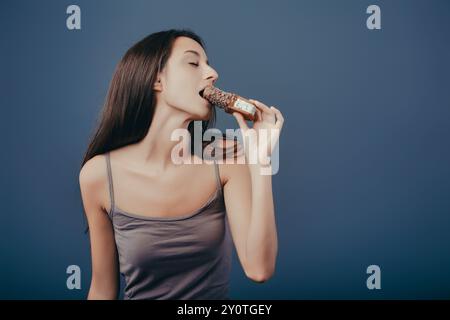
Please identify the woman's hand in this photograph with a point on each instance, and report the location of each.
(264, 134)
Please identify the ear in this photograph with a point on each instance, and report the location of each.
(157, 86)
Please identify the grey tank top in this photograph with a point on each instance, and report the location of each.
(176, 258)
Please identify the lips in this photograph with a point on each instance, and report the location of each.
(200, 93)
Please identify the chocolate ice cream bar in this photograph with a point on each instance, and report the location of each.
(230, 102)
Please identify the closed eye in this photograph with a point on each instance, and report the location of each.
(194, 64)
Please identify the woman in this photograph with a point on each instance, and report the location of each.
(159, 224)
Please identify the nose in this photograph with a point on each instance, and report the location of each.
(212, 74)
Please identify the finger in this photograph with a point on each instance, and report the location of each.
(241, 121)
(261, 105)
(259, 115)
(278, 114)
(280, 118)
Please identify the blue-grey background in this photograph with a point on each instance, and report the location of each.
(364, 153)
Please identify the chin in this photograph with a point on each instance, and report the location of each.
(203, 115)
(208, 115)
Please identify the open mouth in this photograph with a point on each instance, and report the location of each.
(200, 93)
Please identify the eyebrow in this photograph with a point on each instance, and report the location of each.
(196, 53)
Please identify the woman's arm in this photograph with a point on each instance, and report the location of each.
(248, 195)
(105, 271)
(250, 210)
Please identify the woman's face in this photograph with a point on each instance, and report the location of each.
(184, 75)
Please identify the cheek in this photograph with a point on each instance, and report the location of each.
(181, 91)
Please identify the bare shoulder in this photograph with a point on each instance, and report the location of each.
(93, 180)
(233, 160)
(92, 174)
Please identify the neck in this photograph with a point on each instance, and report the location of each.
(156, 147)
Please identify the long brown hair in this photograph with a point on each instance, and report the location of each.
(128, 110)
(130, 103)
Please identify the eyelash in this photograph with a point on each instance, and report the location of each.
(194, 64)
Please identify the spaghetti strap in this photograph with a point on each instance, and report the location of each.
(219, 183)
(110, 183)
